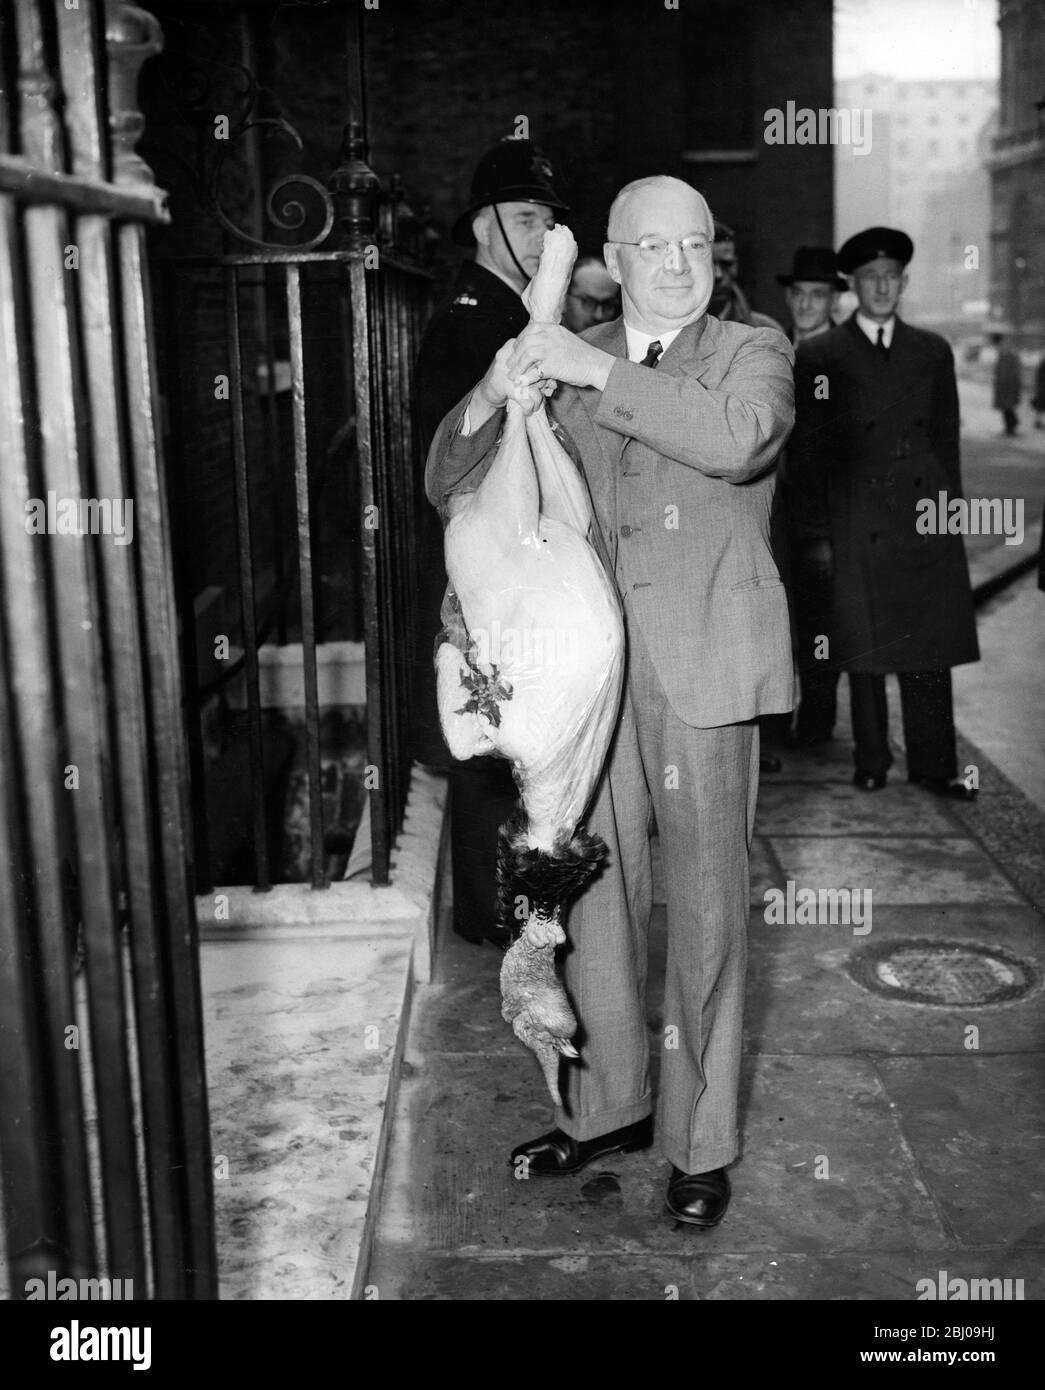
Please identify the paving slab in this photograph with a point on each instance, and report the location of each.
(842, 809)
(802, 998)
(879, 1150)
(801, 1116)
(976, 1126)
(908, 869)
(828, 762)
(692, 1275)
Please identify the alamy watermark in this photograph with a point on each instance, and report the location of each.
(818, 907)
(79, 1342)
(956, 1290)
(972, 516)
(80, 1290)
(526, 647)
(81, 516)
(802, 125)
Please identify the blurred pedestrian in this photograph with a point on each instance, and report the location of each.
(728, 300)
(1007, 384)
(811, 289)
(513, 202)
(592, 298)
(876, 432)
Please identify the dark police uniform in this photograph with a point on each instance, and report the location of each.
(479, 316)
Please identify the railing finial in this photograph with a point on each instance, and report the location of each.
(132, 35)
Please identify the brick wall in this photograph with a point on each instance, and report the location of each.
(611, 90)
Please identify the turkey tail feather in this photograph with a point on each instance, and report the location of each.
(546, 880)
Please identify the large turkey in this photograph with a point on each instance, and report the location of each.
(530, 667)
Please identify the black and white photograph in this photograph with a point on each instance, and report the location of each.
(522, 665)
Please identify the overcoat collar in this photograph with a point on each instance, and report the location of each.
(904, 338)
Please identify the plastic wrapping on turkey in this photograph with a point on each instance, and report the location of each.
(529, 667)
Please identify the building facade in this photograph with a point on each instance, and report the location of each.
(925, 172)
(1017, 172)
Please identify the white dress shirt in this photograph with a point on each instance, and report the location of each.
(638, 346)
(638, 342)
(871, 327)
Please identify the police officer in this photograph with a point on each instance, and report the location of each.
(513, 202)
(876, 431)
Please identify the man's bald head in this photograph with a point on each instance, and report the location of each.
(666, 282)
(634, 199)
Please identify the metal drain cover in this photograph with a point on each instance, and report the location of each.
(947, 973)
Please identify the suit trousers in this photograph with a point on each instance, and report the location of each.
(702, 786)
(928, 723)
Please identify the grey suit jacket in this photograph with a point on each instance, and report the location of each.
(679, 464)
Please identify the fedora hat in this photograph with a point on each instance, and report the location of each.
(814, 263)
(514, 171)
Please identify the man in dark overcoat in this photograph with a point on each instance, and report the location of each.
(876, 433)
(811, 289)
(1008, 385)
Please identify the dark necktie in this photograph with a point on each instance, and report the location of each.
(883, 351)
(652, 354)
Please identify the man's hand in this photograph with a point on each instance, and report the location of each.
(550, 352)
(819, 560)
(500, 385)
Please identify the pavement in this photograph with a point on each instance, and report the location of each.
(892, 1107)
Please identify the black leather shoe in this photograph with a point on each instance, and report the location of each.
(869, 781)
(698, 1199)
(953, 787)
(556, 1155)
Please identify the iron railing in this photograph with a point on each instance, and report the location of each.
(104, 1140)
(381, 310)
(367, 246)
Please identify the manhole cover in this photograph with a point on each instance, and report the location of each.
(941, 972)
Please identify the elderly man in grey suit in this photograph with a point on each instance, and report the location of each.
(677, 419)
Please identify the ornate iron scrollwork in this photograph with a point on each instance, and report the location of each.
(288, 215)
(353, 205)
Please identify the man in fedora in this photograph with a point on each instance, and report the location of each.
(811, 290)
(513, 201)
(876, 432)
